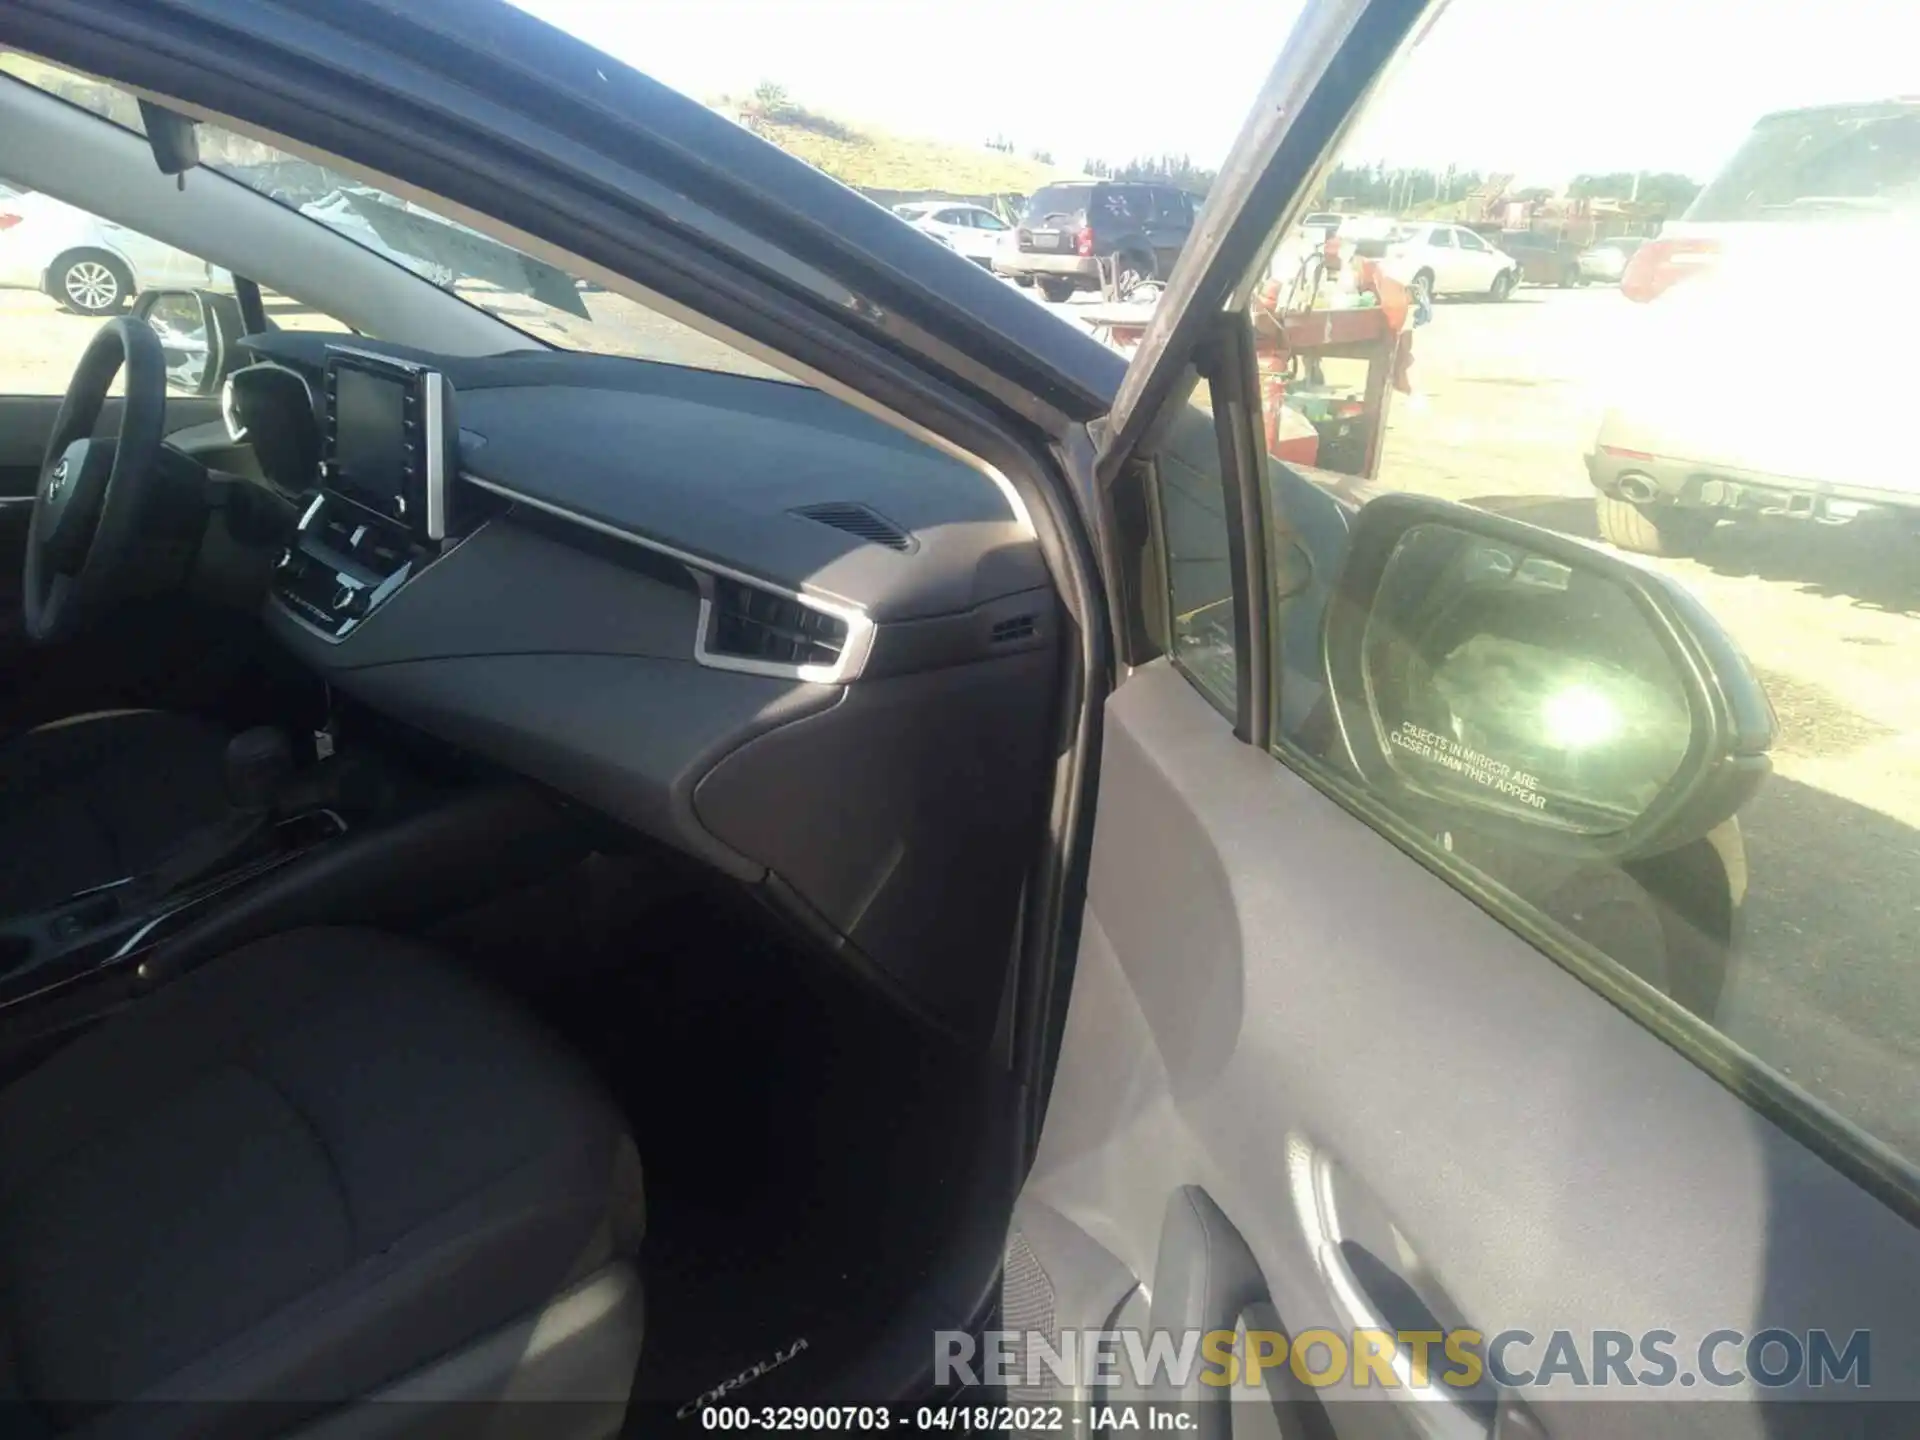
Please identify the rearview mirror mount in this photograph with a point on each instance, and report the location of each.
(1490, 675)
(173, 138)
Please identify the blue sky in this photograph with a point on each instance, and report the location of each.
(1541, 89)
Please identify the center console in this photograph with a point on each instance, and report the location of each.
(367, 844)
(385, 508)
(127, 917)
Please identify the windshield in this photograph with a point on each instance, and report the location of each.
(538, 299)
(531, 295)
(1858, 159)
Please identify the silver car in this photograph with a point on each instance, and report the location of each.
(1606, 260)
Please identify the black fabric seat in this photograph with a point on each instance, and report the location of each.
(91, 800)
(295, 1175)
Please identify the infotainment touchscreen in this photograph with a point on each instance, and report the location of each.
(389, 438)
(370, 437)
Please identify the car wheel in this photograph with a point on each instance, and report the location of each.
(1058, 291)
(1421, 290)
(1502, 285)
(1025, 282)
(90, 282)
(1653, 529)
(1569, 279)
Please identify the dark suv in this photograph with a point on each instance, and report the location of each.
(1545, 259)
(1069, 229)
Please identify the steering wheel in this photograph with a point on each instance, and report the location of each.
(107, 511)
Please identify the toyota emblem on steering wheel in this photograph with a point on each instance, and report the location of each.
(57, 481)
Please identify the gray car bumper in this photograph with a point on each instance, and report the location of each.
(1031, 262)
(1646, 479)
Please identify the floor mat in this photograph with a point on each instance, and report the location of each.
(799, 1140)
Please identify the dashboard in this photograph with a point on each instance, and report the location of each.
(737, 615)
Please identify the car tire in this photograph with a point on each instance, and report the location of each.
(1653, 529)
(1057, 291)
(1569, 279)
(1025, 282)
(1421, 290)
(89, 282)
(1502, 286)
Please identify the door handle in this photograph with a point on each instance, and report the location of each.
(1205, 1279)
(1377, 1283)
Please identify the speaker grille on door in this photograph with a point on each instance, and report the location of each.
(1027, 1308)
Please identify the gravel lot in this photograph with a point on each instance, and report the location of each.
(1827, 986)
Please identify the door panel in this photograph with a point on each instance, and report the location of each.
(1412, 1118)
(1274, 1005)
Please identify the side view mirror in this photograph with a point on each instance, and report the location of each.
(1491, 675)
(198, 330)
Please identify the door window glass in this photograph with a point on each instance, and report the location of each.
(1194, 536)
(1653, 410)
(1470, 241)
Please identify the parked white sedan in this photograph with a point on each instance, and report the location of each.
(1448, 260)
(973, 230)
(89, 265)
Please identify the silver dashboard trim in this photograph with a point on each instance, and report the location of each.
(382, 592)
(853, 654)
(231, 881)
(397, 362)
(433, 424)
(8, 501)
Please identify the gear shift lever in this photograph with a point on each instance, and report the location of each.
(259, 764)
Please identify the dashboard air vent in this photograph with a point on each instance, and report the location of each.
(855, 519)
(1005, 632)
(755, 624)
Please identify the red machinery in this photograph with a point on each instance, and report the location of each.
(1309, 423)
